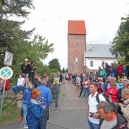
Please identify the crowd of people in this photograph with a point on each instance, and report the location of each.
(107, 92)
(37, 94)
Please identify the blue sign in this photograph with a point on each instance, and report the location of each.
(6, 73)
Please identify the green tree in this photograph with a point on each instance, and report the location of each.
(54, 64)
(120, 47)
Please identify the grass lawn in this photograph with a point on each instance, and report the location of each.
(9, 113)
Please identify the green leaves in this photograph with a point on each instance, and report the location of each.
(54, 64)
(120, 43)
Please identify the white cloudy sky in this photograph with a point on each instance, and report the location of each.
(50, 17)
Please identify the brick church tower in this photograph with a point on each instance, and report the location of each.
(76, 45)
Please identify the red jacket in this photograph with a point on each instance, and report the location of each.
(7, 87)
(114, 92)
(119, 68)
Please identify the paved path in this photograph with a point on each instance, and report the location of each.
(71, 113)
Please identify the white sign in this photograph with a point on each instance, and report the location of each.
(8, 59)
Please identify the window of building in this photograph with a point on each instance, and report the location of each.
(76, 62)
(91, 64)
(77, 37)
(76, 43)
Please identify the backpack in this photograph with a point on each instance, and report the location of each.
(102, 73)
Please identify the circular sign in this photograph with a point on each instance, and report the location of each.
(6, 73)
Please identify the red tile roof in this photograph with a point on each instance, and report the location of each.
(76, 27)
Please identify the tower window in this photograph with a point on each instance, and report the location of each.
(76, 43)
(103, 64)
(76, 64)
(77, 37)
(91, 64)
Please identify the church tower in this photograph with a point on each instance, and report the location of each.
(76, 45)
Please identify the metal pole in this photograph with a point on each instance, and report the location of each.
(2, 97)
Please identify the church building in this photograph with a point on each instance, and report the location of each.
(84, 56)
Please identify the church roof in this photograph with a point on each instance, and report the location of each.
(98, 50)
(76, 27)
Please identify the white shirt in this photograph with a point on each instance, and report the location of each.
(93, 106)
(20, 82)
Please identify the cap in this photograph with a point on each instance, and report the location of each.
(26, 60)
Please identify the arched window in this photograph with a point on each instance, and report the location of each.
(91, 63)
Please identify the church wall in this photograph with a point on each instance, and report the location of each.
(76, 48)
(98, 62)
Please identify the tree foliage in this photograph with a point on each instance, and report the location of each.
(120, 43)
(54, 64)
(17, 40)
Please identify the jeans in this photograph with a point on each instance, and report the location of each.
(92, 125)
(24, 113)
(56, 100)
(81, 90)
(84, 91)
(17, 88)
(25, 75)
(31, 76)
(43, 120)
(112, 74)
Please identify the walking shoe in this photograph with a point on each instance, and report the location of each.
(83, 98)
(55, 108)
(20, 118)
(25, 127)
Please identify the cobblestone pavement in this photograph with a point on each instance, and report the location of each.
(71, 114)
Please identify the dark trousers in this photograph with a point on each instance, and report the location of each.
(81, 90)
(31, 75)
(43, 120)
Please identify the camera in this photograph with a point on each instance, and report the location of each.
(110, 93)
(91, 114)
(41, 100)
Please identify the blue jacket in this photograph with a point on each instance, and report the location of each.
(45, 93)
(34, 114)
(26, 95)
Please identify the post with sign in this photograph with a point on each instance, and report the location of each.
(5, 73)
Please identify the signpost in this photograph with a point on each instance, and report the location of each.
(5, 73)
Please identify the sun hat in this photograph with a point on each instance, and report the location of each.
(26, 60)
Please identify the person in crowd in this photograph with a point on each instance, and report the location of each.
(101, 72)
(32, 70)
(93, 116)
(78, 83)
(119, 68)
(113, 79)
(125, 71)
(86, 84)
(25, 67)
(94, 78)
(109, 118)
(112, 70)
(60, 79)
(35, 111)
(82, 77)
(108, 80)
(20, 84)
(116, 72)
(2, 83)
(55, 89)
(121, 85)
(126, 83)
(45, 93)
(106, 70)
(35, 81)
(48, 82)
(44, 75)
(26, 96)
(112, 92)
(125, 106)
(100, 86)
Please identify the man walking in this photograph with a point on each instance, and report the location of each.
(45, 98)
(93, 116)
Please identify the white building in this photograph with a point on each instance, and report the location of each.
(97, 54)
